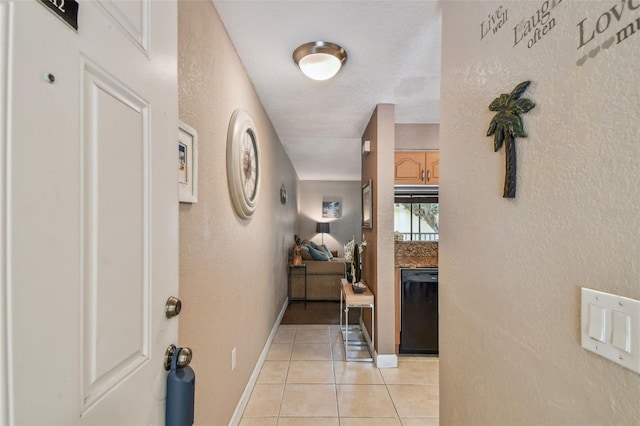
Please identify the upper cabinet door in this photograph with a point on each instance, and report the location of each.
(410, 167)
(433, 168)
(417, 167)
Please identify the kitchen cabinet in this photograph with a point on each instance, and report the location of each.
(417, 167)
(433, 167)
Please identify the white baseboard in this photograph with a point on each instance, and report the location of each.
(365, 333)
(244, 399)
(386, 361)
(382, 361)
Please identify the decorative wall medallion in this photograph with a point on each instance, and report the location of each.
(243, 163)
(283, 194)
(505, 126)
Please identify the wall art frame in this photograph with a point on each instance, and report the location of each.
(243, 163)
(187, 164)
(331, 208)
(367, 204)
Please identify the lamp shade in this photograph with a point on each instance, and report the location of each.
(322, 228)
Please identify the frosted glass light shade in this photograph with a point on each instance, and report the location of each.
(319, 66)
(320, 60)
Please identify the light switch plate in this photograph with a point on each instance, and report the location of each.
(615, 308)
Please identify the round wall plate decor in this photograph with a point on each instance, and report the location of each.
(243, 163)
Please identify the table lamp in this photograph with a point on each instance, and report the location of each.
(323, 228)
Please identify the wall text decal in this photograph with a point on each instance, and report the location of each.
(538, 26)
(494, 22)
(589, 28)
(603, 22)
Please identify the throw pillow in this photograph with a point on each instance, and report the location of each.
(318, 255)
(326, 250)
(305, 253)
(314, 245)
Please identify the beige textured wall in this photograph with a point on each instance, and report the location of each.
(378, 260)
(232, 271)
(417, 136)
(310, 211)
(511, 270)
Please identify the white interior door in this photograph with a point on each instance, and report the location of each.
(90, 211)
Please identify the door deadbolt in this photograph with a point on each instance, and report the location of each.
(173, 307)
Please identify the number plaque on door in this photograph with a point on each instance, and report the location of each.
(67, 10)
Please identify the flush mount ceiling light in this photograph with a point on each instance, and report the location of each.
(320, 60)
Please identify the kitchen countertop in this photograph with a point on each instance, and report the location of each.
(412, 262)
(416, 254)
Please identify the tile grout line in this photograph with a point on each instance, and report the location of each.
(333, 367)
(286, 378)
(390, 397)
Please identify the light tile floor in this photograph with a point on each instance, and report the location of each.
(306, 381)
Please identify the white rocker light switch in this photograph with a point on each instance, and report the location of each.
(620, 331)
(596, 322)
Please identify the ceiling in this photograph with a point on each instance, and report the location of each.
(394, 57)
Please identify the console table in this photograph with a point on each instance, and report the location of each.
(350, 333)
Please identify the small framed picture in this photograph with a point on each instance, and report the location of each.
(331, 208)
(187, 164)
(367, 204)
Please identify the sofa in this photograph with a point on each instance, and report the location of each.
(323, 277)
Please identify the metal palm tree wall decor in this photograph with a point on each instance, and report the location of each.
(505, 126)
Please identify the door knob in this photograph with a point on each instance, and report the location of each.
(184, 356)
(173, 307)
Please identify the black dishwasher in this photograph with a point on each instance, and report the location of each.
(419, 311)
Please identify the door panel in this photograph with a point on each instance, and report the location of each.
(133, 18)
(91, 213)
(116, 245)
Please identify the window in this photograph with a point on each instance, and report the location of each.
(416, 216)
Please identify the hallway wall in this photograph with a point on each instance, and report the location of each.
(378, 258)
(417, 136)
(232, 272)
(511, 270)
